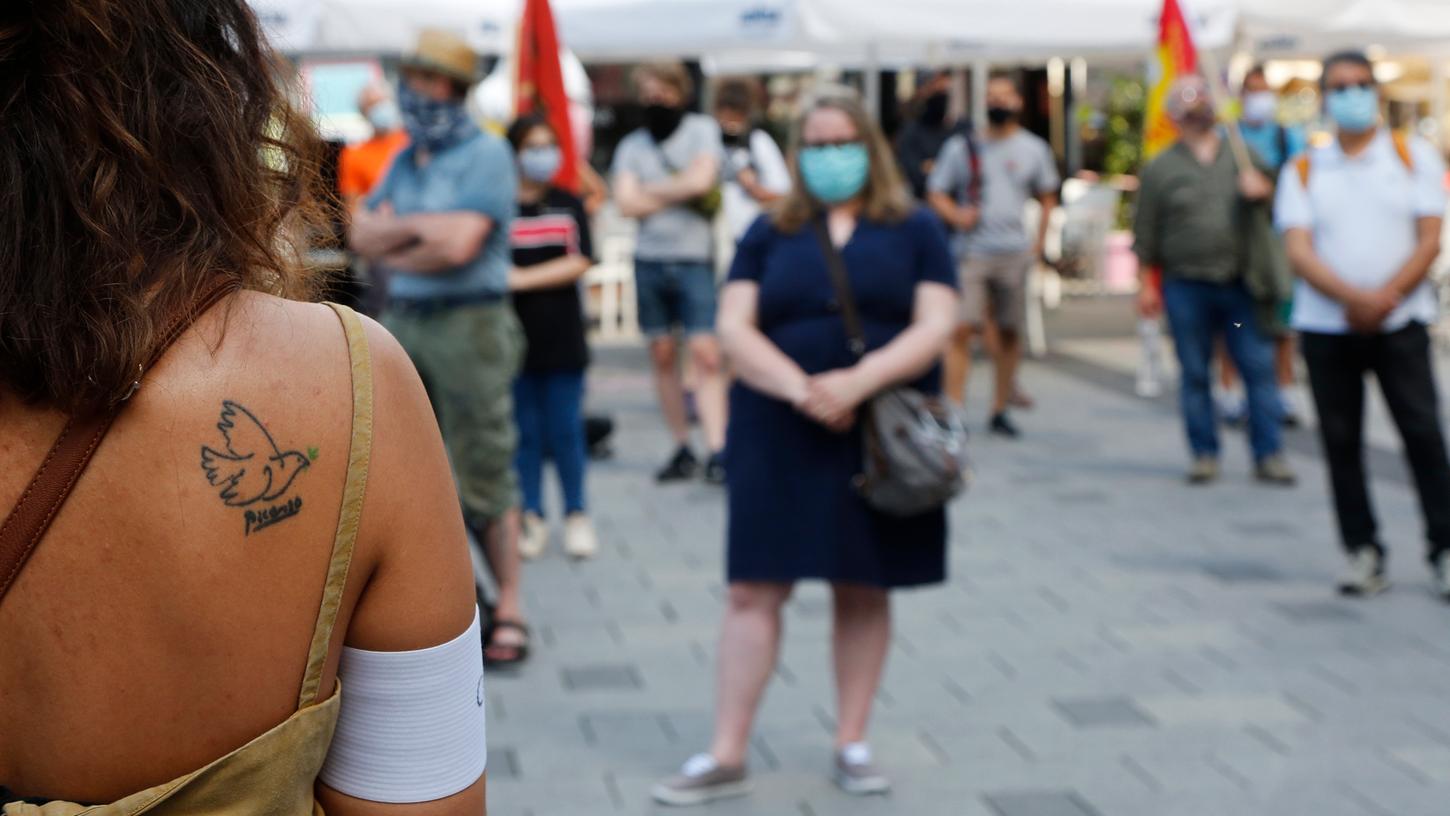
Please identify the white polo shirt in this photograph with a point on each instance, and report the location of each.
(1362, 211)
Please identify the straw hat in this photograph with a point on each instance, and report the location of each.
(444, 52)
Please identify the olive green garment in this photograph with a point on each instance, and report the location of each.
(468, 356)
(276, 772)
(1189, 219)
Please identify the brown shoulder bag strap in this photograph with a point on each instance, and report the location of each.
(72, 451)
(841, 282)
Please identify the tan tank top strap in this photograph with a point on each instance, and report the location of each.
(352, 501)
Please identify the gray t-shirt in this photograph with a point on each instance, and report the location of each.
(675, 233)
(1014, 169)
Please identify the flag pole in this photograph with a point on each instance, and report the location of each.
(1219, 94)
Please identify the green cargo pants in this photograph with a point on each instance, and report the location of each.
(468, 356)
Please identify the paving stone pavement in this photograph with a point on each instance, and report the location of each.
(1110, 643)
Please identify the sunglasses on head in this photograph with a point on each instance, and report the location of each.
(1367, 85)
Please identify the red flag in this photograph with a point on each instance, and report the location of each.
(1176, 57)
(539, 83)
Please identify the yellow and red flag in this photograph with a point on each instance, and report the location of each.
(1176, 57)
(539, 83)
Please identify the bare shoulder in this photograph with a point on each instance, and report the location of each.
(411, 542)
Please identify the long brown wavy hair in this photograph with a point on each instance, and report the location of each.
(147, 147)
(884, 198)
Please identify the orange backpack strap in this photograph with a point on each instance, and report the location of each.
(1402, 149)
(1302, 165)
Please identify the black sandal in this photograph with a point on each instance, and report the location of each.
(520, 650)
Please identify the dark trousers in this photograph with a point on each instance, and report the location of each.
(1401, 362)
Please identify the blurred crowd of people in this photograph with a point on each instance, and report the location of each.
(482, 248)
(860, 270)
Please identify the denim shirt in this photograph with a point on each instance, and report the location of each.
(478, 175)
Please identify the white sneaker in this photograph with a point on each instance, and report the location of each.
(702, 780)
(857, 774)
(1148, 386)
(1441, 568)
(534, 538)
(1365, 575)
(579, 538)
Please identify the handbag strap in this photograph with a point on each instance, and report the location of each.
(841, 281)
(68, 457)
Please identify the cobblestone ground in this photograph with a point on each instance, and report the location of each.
(1111, 641)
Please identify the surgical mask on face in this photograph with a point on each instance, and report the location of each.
(385, 117)
(1354, 110)
(835, 173)
(540, 164)
(1260, 107)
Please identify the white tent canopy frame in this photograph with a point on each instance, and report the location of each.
(739, 35)
(915, 30)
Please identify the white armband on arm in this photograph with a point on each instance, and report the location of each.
(412, 726)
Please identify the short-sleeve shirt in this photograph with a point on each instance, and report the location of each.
(1014, 169)
(1273, 142)
(761, 154)
(1362, 212)
(478, 175)
(675, 233)
(361, 166)
(553, 319)
(798, 308)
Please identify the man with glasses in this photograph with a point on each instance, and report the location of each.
(1361, 218)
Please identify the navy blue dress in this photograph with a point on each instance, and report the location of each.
(793, 512)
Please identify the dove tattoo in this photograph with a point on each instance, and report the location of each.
(250, 468)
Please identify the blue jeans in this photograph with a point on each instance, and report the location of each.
(675, 293)
(1197, 313)
(548, 406)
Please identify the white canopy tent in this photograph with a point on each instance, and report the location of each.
(1313, 27)
(795, 31)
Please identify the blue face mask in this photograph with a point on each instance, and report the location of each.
(540, 164)
(835, 173)
(432, 125)
(1354, 110)
(385, 116)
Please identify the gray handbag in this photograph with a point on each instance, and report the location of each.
(915, 444)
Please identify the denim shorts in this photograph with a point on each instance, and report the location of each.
(675, 294)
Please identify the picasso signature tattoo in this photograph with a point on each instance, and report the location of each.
(251, 470)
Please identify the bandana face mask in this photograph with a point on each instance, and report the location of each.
(432, 125)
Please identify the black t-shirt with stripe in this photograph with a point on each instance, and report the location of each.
(553, 319)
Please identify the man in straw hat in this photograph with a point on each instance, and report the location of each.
(439, 221)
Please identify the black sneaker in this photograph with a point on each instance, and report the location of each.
(715, 469)
(1002, 425)
(682, 466)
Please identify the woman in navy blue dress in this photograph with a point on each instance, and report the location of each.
(794, 445)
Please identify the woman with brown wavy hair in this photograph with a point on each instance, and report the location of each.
(795, 447)
(203, 535)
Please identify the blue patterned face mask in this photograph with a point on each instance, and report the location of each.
(432, 125)
(835, 173)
